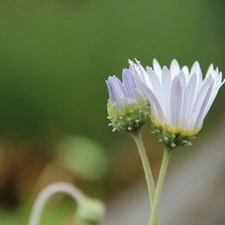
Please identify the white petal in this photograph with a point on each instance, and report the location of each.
(219, 83)
(174, 68)
(156, 86)
(135, 70)
(157, 68)
(156, 110)
(209, 71)
(189, 99)
(166, 90)
(141, 68)
(141, 72)
(181, 77)
(198, 102)
(214, 75)
(203, 108)
(176, 101)
(196, 69)
(186, 72)
(219, 80)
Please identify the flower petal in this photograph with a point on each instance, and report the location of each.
(188, 101)
(156, 86)
(174, 68)
(166, 90)
(139, 72)
(203, 108)
(217, 86)
(128, 83)
(199, 101)
(196, 69)
(209, 71)
(175, 102)
(156, 110)
(115, 88)
(157, 68)
(186, 72)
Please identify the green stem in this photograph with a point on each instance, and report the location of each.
(45, 194)
(147, 169)
(162, 175)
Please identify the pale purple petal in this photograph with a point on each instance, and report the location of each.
(189, 99)
(157, 68)
(210, 70)
(156, 86)
(186, 72)
(128, 83)
(139, 72)
(174, 68)
(156, 110)
(196, 69)
(115, 88)
(199, 100)
(203, 107)
(166, 90)
(219, 83)
(175, 101)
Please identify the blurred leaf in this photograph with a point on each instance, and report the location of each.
(84, 156)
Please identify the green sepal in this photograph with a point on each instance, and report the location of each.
(131, 121)
(172, 140)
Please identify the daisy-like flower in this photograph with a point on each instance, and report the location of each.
(179, 99)
(128, 108)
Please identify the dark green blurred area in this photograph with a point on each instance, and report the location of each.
(56, 55)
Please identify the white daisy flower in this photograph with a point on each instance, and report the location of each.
(179, 99)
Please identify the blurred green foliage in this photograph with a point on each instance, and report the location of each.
(56, 55)
(83, 156)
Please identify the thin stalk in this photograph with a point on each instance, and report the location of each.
(47, 193)
(162, 175)
(147, 169)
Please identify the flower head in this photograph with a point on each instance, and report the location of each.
(128, 108)
(90, 211)
(179, 99)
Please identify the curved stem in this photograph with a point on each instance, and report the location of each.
(162, 175)
(147, 169)
(47, 193)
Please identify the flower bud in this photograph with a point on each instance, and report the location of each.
(90, 211)
(128, 108)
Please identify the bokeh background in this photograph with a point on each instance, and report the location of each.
(55, 56)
